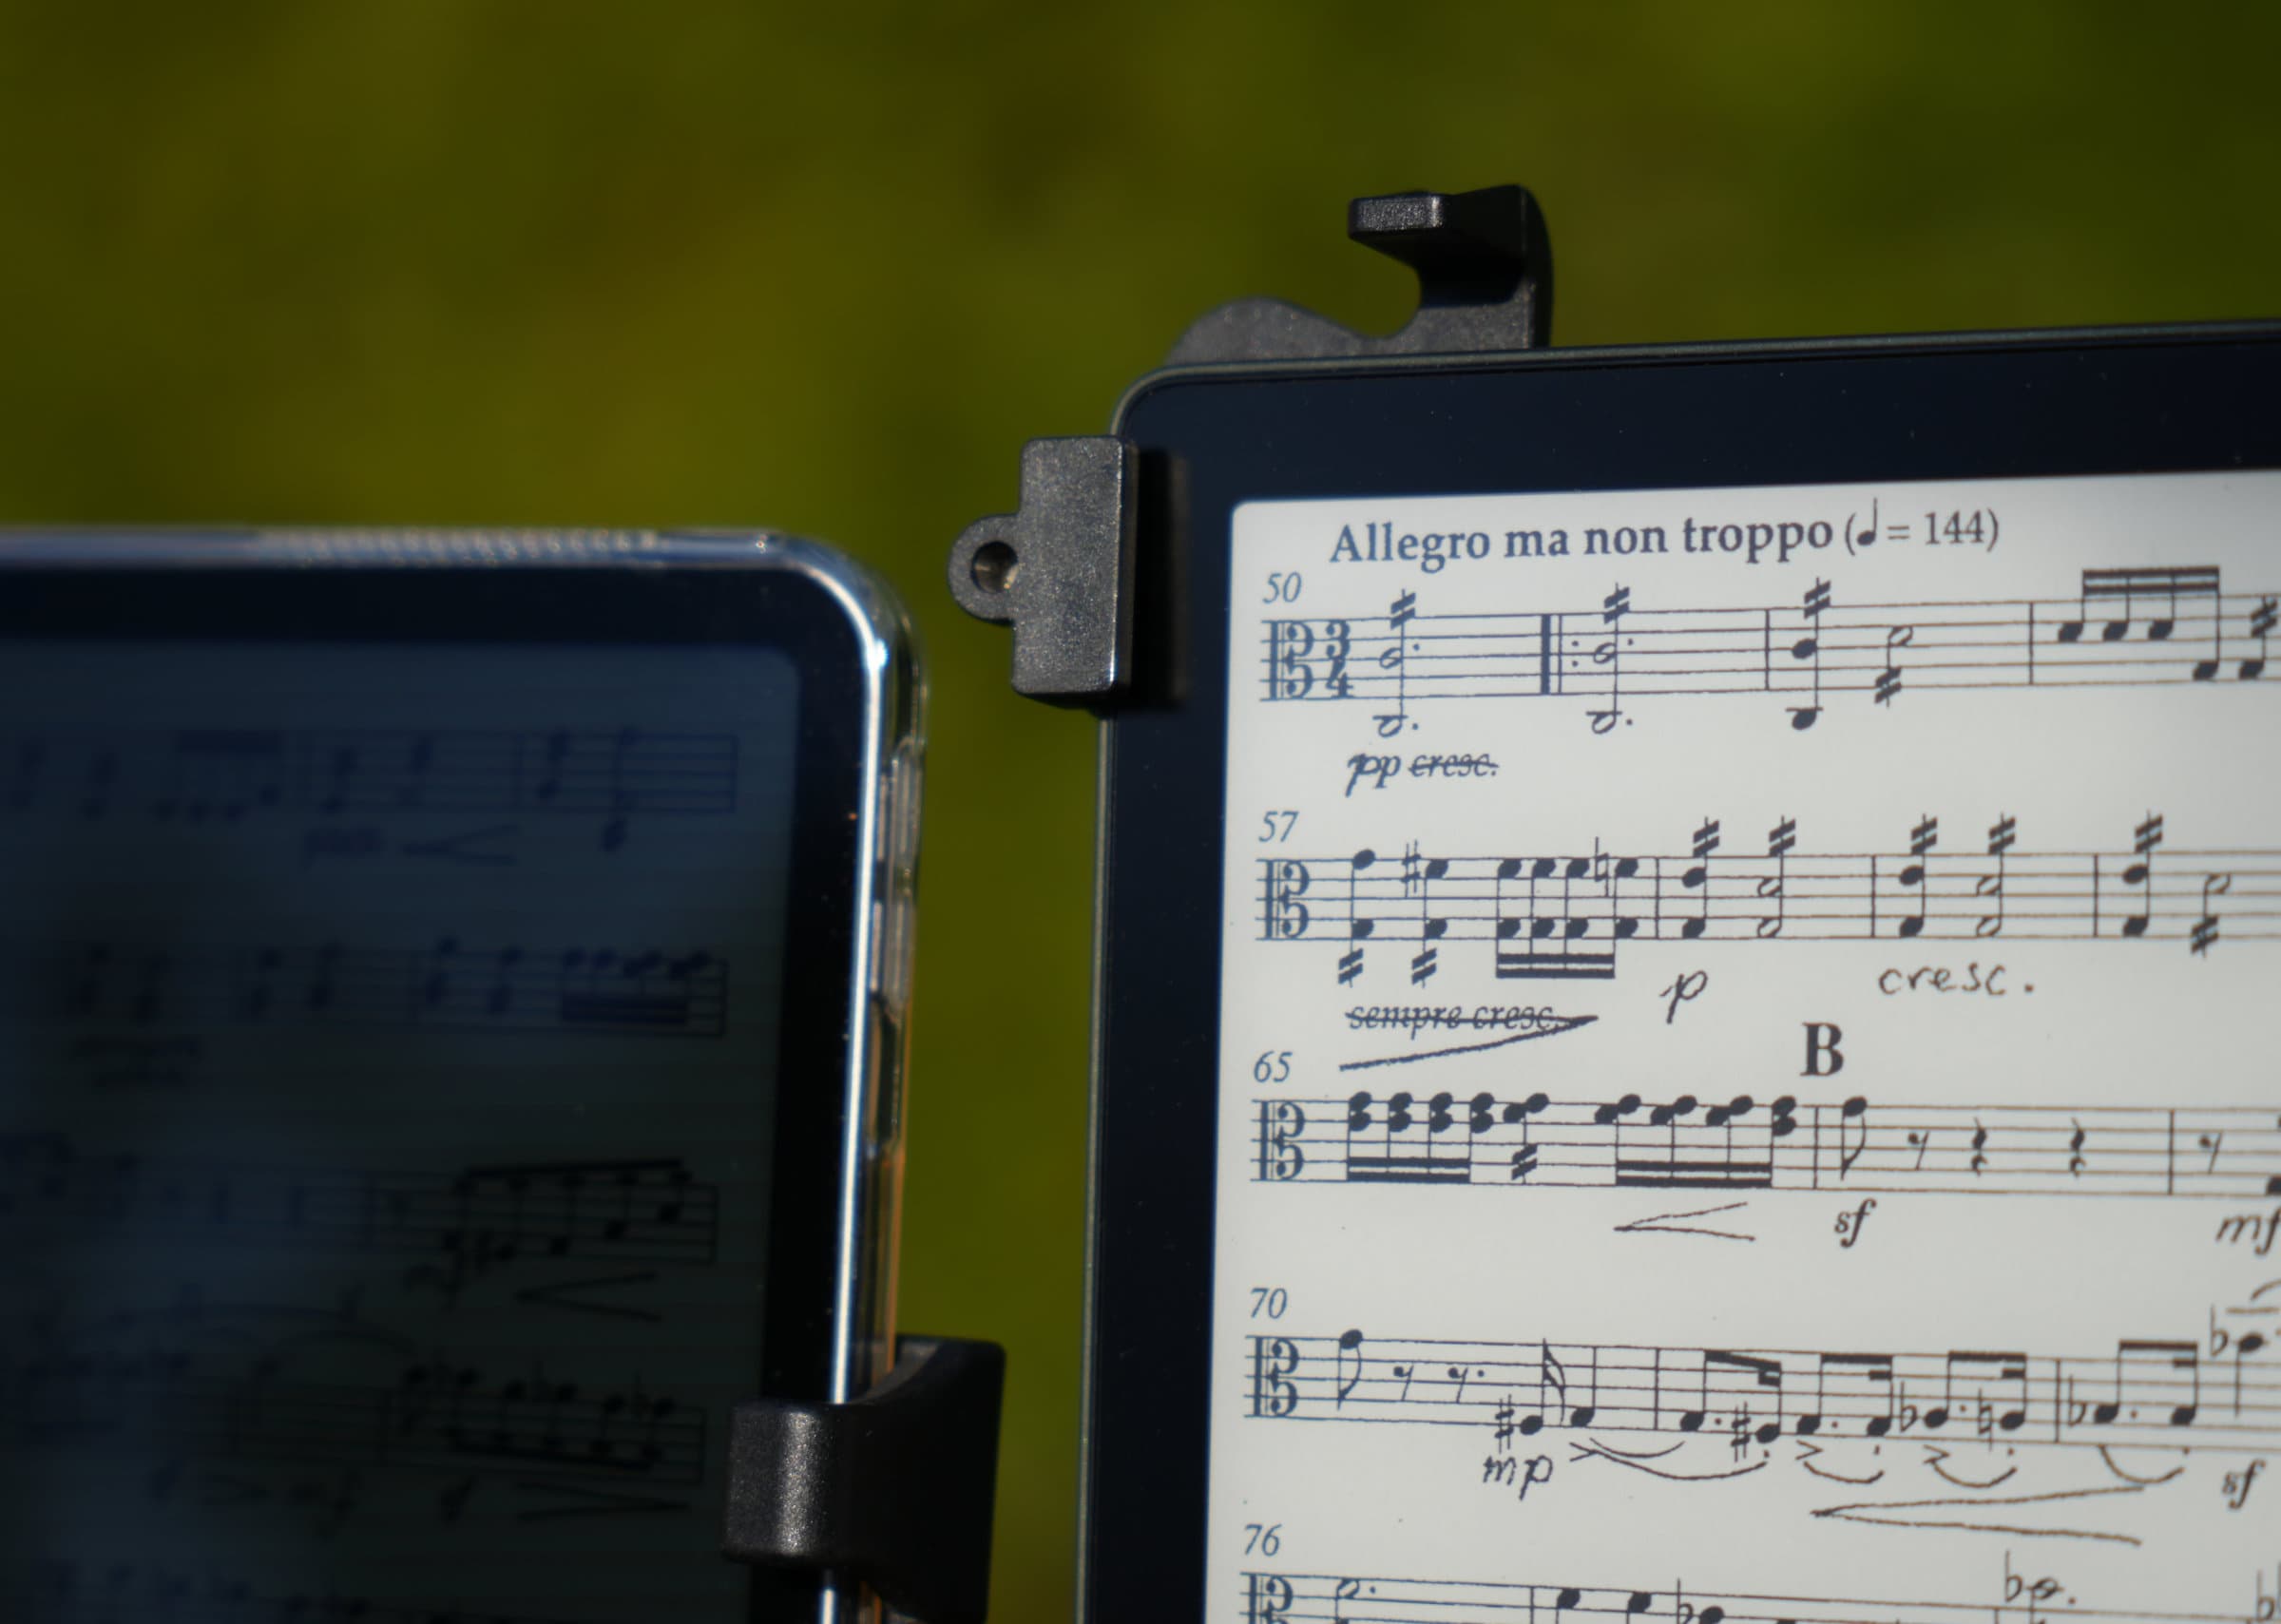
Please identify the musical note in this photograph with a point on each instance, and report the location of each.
(2144, 839)
(1523, 1160)
(1809, 649)
(1746, 1425)
(1350, 1353)
(2261, 627)
(1921, 841)
(1863, 1395)
(1608, 656)
(1889, 678)
(2146, 1383)
(1866, 535)
(2205, 928)
(1553, 938)
(1697, 879)
(1418, 874)
(1395, 659)
(1359, 925)
(555, 752)
(1385, 1152)
(1552, 1379)
(2002, 835)
(1853, 1134)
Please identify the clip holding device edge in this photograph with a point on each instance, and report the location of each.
(1061, 568)
(1483, 260)
(896, 1487)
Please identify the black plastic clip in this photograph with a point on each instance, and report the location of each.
(1483, 262)
(1061, 568)
(895, 1488)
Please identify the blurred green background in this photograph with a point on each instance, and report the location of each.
(826, 268)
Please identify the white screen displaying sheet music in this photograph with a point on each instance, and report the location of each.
(1747, 1080)
(388, 1039)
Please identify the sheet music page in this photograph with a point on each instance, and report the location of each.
(386, 1105)
(1747, 1088)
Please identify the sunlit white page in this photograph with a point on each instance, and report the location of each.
(1747, 1086)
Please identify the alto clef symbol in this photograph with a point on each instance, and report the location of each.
(1288, 645)
(1274, 1359)
(1269, 1600)
(1281, 1123)
(1287, 882)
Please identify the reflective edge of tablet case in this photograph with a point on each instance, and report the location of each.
(390, 1041)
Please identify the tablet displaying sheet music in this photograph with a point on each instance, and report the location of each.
(1746, 1082)
(387, 1103)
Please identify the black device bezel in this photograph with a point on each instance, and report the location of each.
(784, 608)
(1888, 410)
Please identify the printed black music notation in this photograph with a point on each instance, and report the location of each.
(220, 775)
(1523, 1143)
(1566, 917)
(65, 1591)
(479, 1219)
(447, 984)
(1316, 1598)
(2134, 627)
(2147, 1393)
(182, 1397)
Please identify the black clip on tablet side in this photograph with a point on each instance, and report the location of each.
(1061, 568)
(894, 1488)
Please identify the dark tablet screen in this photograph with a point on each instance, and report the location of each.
(389, 1048)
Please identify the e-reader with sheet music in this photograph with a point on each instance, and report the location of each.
(1685, 955)
(453, 993)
